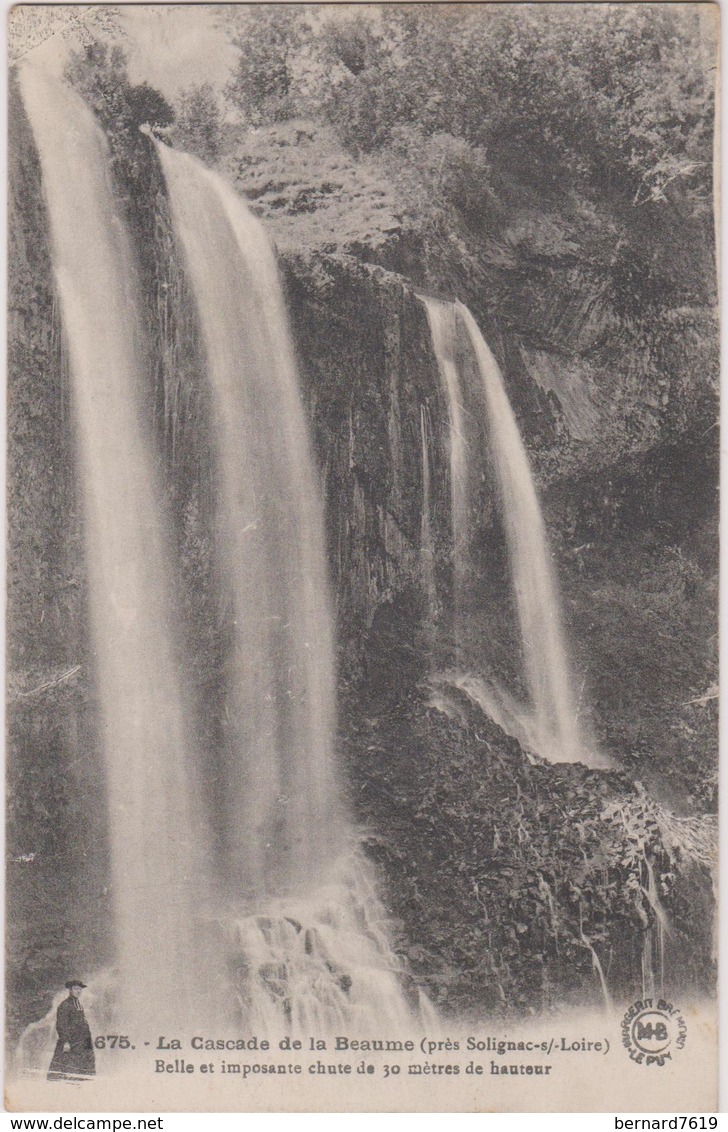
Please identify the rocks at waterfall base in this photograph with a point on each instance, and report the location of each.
(505, 879)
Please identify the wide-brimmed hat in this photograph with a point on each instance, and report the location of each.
(74, 983)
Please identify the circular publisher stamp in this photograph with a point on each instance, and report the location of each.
(653, 1030)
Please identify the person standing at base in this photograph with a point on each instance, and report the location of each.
(74, 1054)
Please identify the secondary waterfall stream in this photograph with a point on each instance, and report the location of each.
(551, 727)
(283, 928)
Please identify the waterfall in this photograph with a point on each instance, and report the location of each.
(316, 951)
(159, 871)
(322, 962)
(427, 548)
(547, 670)
(553, 721)
(241, 895)
(281, 790)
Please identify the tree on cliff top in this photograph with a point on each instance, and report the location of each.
(198, 126)
(269, 39)
(99, 73)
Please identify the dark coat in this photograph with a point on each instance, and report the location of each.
(72, 1027)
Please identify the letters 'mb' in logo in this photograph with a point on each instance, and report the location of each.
(650, 1032)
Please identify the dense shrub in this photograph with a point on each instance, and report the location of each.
(198, 126)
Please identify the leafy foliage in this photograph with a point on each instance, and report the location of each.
(262, 86)
(99, 73)
(29, 27)
(198, 127)
(561, 94)
(551, 168)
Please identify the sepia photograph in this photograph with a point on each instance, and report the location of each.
(362, 558)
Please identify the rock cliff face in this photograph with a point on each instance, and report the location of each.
(633, 537)
(629, 509)
(625, 453)
(368, 374)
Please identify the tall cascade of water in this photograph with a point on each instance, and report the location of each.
(281, 789)
(552, 726)
(318, 949)
(159, 873)
(427, 548)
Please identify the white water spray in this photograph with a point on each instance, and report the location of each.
(552, 725)
(427, 547)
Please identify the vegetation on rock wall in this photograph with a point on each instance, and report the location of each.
(520, 888)
(553, 170)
